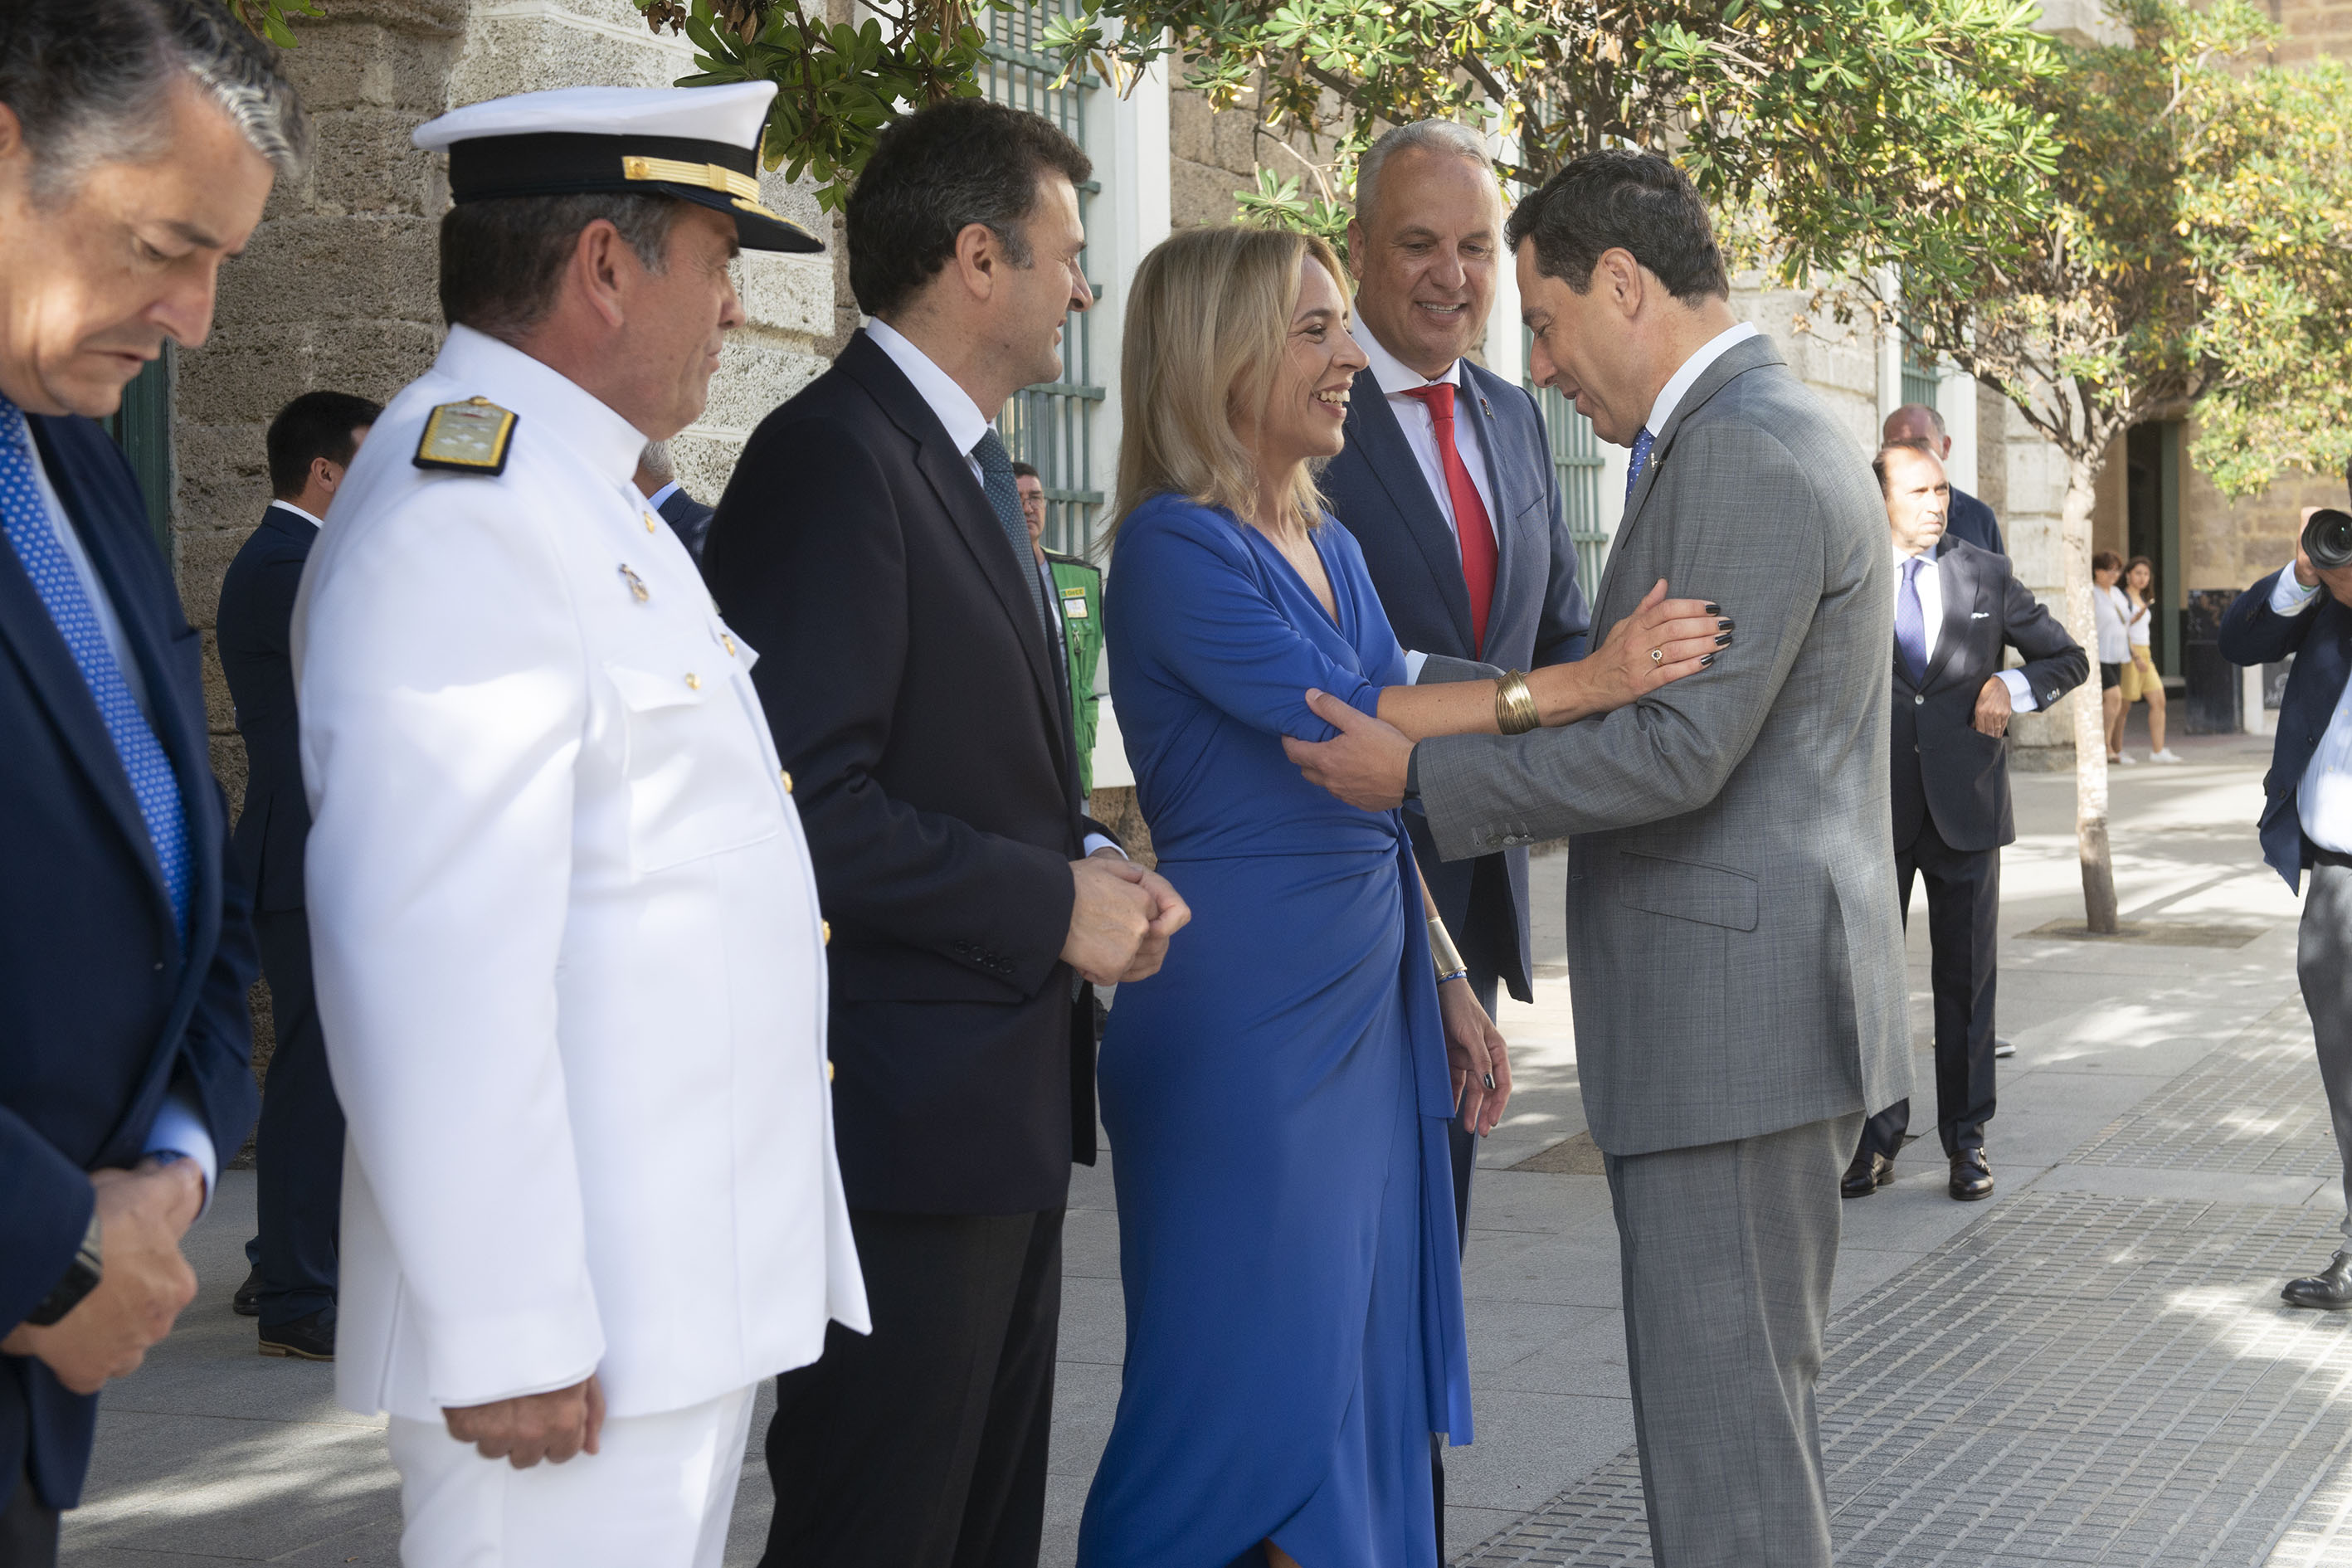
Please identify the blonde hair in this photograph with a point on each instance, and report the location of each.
(1208, 322)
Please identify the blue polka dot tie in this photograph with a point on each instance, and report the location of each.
(1642, 444)
(26, 518)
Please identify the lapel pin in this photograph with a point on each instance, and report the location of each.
(636, 583)
(1483, 407)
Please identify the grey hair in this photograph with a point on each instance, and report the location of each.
(655, 460)
(1432, 135)
(90, 82)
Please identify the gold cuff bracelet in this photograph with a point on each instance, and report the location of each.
(1515, 705)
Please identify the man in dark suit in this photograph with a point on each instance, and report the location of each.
(871, 546)
(2306, 823)
(299, 1153)
(1956, 608)
(657, 481)
(1971, 521)
(1448, 484)
(124, 948)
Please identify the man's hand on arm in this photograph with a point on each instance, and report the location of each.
(1364, 764)
(144, 1282)
(530, 1427)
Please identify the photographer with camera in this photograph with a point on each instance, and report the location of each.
(2307, 819)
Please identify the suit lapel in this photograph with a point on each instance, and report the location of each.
(1958, 576)
(949, 473)
(1749, 353)
(1374, 431)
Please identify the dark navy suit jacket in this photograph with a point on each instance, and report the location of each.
(1944, 769)
(1538, 615)
(257, 613)
(2321, 640)
(1972, 523)
(102, 1010)
(690, 519)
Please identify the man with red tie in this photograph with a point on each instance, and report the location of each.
(1448, 484)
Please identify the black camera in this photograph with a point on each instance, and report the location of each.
(2328, 539)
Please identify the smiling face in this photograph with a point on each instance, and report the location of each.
(1426, 255)
(1919, 500)
(1582, 345)
(93, 284)
(1306, 416)
(1037, 299)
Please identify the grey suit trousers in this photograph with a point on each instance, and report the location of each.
(2323, 962)
(1728, 1251)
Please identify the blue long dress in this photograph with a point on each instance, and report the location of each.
(1277, 1095)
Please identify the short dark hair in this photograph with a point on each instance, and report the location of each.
(88, 80)
(2107, 561)
(502, 260)
(315, 425)
(1027, 471)
(1617, 199)
(1919, 444)
(935, 174)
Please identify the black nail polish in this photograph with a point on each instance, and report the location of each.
(1724, 640)
(1708, 660)
(1715, 609)
(1723, 624)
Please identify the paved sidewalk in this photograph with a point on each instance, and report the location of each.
(2091, 1367)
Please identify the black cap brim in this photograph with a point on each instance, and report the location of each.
(556, 164)
(756, 228)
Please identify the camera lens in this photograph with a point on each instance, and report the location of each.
(2327, 539)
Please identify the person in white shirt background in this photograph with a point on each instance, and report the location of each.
(2108, 613)
(2141, 683)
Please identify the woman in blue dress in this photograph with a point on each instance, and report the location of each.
(1277, 1095)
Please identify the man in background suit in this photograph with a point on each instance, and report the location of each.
(1074, 589)
(2306, 823)
(1970, 520)
(1448, 485)
(871, 546)
(1735, 950)
(299, 1153)
(657, 481)
(124, 948)
(1956, 608)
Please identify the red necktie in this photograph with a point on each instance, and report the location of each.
(1470, 525)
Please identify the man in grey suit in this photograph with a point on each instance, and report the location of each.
(1733, 939)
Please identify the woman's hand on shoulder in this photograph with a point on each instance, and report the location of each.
(1662, 640)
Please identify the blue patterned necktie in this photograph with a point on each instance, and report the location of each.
(1005, 496)
(1642, 444)
(152, 782)
(1911, 622)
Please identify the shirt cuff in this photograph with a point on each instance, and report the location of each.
(2289, 597)
(1095, 841)
(1414, 663)
(2021, 691)
(179, 1130)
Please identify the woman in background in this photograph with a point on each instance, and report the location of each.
(1277, 1095)
(2108, 610)
(2140, 679)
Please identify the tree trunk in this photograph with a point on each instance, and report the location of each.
(2090, 717)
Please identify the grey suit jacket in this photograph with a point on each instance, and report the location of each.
(1735, 948)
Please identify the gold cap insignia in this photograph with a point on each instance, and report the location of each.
(469, 437)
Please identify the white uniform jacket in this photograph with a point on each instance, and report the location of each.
(566, 936)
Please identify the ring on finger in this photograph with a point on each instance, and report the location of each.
(1658, 656)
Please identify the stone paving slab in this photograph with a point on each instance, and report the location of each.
(2252, 1107)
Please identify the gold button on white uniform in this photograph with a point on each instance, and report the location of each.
(728, 643)
(788, 779)
(693, 681)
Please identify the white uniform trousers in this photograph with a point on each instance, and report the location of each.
(658, 1494)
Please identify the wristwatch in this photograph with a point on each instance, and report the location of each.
(81, 1277)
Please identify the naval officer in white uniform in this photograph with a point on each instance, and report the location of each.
(570, 958)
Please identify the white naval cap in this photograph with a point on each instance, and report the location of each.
(699, 145)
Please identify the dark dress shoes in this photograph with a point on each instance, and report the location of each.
(1971, 1176)
(246, 1303)
(1868, 1173)
(2330, 1290)
(304, 1339)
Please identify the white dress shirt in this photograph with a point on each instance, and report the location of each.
(177, 1129)
(655, 501)
(1671, 395)
(1931, 614)
(2324, 799)
(1396, 381)
(960, 417)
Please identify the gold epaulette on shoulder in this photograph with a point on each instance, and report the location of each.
(469, 437)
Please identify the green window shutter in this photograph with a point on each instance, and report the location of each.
(142, 428)
(1920, 377)
(1051, 426)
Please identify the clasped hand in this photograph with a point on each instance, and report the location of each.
(144, 1282)
(1120, 919)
